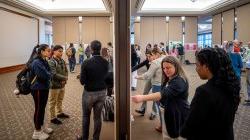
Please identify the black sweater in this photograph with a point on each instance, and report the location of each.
(144, 63)
(93, 73)
(211, 114)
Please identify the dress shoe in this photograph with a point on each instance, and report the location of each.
(152, 116)
(142, 112)
(62, 115)
(55, 121)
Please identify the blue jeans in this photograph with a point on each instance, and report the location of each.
(81, 58)
(96, 101)
(156, 104)
(155, 107)
(72, 63)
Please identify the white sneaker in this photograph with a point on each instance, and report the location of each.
(48, 130)
(40, 135)
(132, 118)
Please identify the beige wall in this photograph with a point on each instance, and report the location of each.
(191, 29)
(216, 29)
(151, 30)
(137, 32)
(243, 23)
(96, 28)
(71, 30)
(65, 30)
(88, 29)
(228, 25)
(58, 25)
(160, 34)
(167, 33)
(175, 29)
(146, 31)
(112, 32)
(103, 30)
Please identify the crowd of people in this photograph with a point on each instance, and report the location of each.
(210, 115)
(212, 111)
(49, 75)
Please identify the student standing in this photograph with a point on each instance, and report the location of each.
(93, 73)
(59, 78)
(215, 103)
(40, 90)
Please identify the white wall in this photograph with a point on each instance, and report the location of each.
(18, 36)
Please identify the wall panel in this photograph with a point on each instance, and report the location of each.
(137, 32)
(103, 30)
(175, 29)
(216, 29)
(88, 29)
(228, 25)
(19, 35)
(160, 34)
(243, 23)
(71, 30)
(147, 32)
(59, 30)
(191, 29)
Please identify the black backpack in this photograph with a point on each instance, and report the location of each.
(24, 81)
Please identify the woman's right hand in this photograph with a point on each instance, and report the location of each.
(137, 98)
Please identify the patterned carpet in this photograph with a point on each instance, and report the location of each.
(16, 114)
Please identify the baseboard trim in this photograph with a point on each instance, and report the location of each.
(11, 68)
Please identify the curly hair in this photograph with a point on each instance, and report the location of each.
(220, 65)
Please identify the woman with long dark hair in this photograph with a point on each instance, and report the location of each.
(214, 105)
(40, 89)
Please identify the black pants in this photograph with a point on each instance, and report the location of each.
(40, 99)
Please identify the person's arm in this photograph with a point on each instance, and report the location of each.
(150, 73)
(56, 75)
(136, 67)
(150, 97)
(41, 72)
(83, 73)
(240, 62)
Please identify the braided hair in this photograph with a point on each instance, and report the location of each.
(220, 65)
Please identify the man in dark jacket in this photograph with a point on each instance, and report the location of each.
(93, 73)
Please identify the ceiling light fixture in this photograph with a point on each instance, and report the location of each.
(193, 0)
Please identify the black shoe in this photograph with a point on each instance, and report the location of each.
(152, 117)
(56, 121)
(133, 89)
(247, 101)
(142, 112)
(62, 115)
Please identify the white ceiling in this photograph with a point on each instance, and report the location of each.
(66, 5)
(182, 6)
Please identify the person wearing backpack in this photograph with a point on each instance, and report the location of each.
(59, 78)
(71, 57)
(23, 80)
(40, 90)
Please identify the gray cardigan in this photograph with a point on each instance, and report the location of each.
(154, 72)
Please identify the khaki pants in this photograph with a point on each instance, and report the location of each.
(55, 102)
